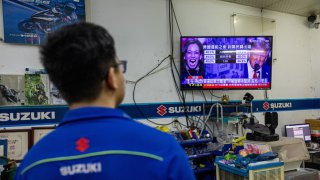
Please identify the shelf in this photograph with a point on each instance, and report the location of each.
(194, 141)
(232, 105)
(218, 153)
(195, 156)
(203, 170)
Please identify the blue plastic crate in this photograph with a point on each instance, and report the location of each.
(244, 172)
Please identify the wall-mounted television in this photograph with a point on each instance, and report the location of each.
(225, 62)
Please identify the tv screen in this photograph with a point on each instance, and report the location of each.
(228, 62)
(298, 131)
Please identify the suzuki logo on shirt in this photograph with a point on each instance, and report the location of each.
(82, 144)
(26, 116)
(82, 168)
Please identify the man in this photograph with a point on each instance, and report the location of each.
(95, 140)
(258, 65)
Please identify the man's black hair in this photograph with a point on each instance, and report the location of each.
(77, 58)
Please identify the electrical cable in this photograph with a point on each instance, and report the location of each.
(175, 17)
(204, 97)
(182, 124)
(206, 125)
(134, 89)
(192, 97)
(152, 72)
(266, 95)
(215, 95)
(199, 119)
(163, 68)
(181, 94)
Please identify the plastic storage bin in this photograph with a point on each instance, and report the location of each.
(292, 151)
(272, 170)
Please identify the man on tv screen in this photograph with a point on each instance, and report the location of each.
(257, 66)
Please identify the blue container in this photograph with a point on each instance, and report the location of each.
(244, 172)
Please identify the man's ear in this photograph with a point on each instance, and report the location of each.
(112, 78)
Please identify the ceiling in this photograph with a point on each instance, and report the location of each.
(297, 7)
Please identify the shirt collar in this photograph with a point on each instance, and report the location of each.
(251, 71)
(93, 113)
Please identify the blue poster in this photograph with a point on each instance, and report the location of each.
(30, 21)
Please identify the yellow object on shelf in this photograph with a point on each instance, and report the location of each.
(238, 142)
(163, 128)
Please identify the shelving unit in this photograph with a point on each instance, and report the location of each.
(194, 141)
(230, 107)
(223, 111)
(206, 154)
(202, 161)
(203, 170)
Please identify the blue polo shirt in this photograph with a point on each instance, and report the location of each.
(104, 143)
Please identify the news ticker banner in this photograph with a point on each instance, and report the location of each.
(43, 115)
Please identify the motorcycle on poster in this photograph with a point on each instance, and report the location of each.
(30, 21)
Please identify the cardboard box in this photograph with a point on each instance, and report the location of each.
(314, 123)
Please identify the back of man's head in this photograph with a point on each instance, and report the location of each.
(77, 58)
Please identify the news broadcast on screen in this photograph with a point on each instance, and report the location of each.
(232, 62)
